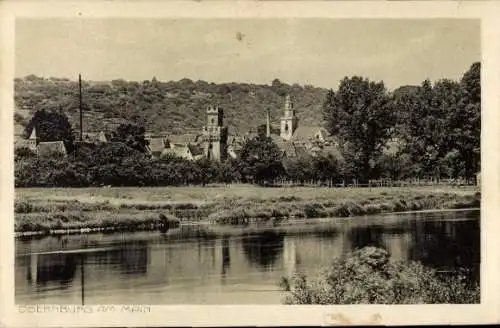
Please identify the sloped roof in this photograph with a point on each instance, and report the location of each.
(324, 133)
(90, 136)
(33, 134)
(307, 132)
(183, 138)
(195, 150)
(151, 134)
(300, 150)
(289, 149)
(278, 141)
(51, 148)
(156, 144)
(178, 151)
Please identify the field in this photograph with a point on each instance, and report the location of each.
(60, 209)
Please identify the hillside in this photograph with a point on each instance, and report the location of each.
(173, 106)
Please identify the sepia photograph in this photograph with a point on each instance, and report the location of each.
(222, 161)
(246, 161)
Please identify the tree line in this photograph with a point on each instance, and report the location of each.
(167, 106)
(118, 163)
(436, 128)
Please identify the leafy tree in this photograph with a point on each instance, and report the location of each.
(427, 125)
(276, 83)
(51, 126)
(326, 168)
(360, 114)
(23, 153)
(396, 166)
(132, 135)
(260, 160)
(465, 122)
(299, 169)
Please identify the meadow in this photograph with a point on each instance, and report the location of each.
(55, 210)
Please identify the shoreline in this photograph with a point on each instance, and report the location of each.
(39, 213)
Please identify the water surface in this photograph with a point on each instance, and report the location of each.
(227, 265)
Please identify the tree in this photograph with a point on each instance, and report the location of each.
(360, 114)
(132, 135)
(260, 160)
(427, 123)
(465, 122)
(23, 153)
(51, 126)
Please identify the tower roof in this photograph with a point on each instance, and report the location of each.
(33, 134)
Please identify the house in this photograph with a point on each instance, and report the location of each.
(96, 137)
(177, 150)
(51, 148)
(156, 146)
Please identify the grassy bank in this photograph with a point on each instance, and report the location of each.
(55, 210)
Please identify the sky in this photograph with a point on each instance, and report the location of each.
(306, 51)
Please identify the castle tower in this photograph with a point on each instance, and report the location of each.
(33, 140)
(288, 121)
(215, 135)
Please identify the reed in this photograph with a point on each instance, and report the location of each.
(44, 210)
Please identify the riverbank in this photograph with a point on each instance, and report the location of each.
(72, 210)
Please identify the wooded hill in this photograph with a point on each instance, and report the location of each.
(175, 106)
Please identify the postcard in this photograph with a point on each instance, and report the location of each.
(217, 163)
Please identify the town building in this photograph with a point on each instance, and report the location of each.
(215, 135)
(47, 148)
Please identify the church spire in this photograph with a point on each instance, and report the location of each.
(288, 120)
(288, 103)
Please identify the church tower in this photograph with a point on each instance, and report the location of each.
(215, 135)
(288, 121)
(33, 140)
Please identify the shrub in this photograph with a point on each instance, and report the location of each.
(367, 276)
(23, 207)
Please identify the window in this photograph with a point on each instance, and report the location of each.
(213, 120)
(286, 127)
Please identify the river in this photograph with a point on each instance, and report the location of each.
(228, 265)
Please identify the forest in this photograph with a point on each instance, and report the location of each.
(435, 125)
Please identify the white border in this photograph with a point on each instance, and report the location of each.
(486, 312)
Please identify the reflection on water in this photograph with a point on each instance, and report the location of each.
(263, 249)
(224, 265)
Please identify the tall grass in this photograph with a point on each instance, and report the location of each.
(40, 209)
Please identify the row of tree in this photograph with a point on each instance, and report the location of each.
(437, 127)
(118, 164)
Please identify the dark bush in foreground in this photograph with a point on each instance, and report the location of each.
(367, 276)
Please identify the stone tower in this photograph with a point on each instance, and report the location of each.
(288, 121)
(215, 135)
